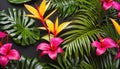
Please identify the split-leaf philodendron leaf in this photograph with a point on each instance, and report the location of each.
(19, 27)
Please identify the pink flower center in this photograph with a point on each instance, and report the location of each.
(52, 48)
(0, 43)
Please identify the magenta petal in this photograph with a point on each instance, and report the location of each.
(3, 61)
(2, 34)
(100, 51)
(52, 55)
(43, 46)
(59, 50)
(117, 56)
(109, 43)
(13, 55)
(107, 5)
(118, 14)
(116, 5)
(5, 48)
(96, 44)
(56, 41)
(43, 53)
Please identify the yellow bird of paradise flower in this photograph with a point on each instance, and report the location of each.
(39, 11)
(116, 25)
(54, 28)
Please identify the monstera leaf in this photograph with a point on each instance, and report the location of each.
(18, 1)
(19, 27)
(25, 63)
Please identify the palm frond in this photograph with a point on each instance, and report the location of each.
(106, 61)
(84, 29)
(19, 27)
(66, 8)
(74, 63)
(25, 63)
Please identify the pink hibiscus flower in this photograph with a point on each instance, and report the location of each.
(118, 49)
(103, 45)
(110, 3)
(2, 34)
(51, 49)
(8, 54)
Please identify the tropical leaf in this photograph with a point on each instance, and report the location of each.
(18, 1)
(84, 29)
(66, 8)
(74, 63)
(19, 27)
(25, 63)
(106, 61)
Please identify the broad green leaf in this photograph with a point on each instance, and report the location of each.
(19, 27)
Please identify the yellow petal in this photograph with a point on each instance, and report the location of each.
(47, 5)
(50, 25)
(32, 16)
(42, 7)
(56, 24)
(62, 26)
(49, 14)
(43, 28)
(32, 10)
(116, 25)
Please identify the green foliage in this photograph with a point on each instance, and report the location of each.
(106, 61)
(18, 1)
(66, 8)
(69, 63)
(19, 27)
(25, 63)
(84, 29)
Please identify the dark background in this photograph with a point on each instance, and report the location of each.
(28, 51)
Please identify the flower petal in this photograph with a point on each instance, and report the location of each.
(3, 61)
(32, 10)
(109, 43)
(100, 51)
(52, 55)
(107, 5)
(116, 25)
(49, 15)
(116, 5)
(2, 34)
(5, 48)
(62, 26)
(55, 42)
(96, 44)
(13, 55)
(59, 50)
(43, 46)
(43, 53)
(117, 56)
(50, 25)
(118, 15)
(42, 7)
(32, 16)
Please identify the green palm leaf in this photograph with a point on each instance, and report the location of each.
(25, 63)
(66, 8)
(68, 63)
(19, 27)
(84, 29)
(106, 61)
